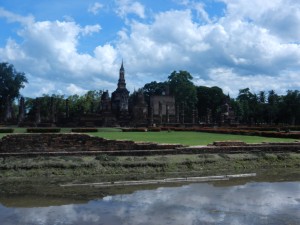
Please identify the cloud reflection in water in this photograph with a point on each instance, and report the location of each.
(252, 203)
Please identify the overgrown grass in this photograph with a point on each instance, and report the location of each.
(104, 165)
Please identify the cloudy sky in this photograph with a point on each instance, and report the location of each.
(71, 46)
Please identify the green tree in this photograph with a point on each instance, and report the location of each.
(262, 108)
(154, 88)
(247, 105)
(273, 102)
(85, 104)
(210, 98)
(11, 81)
(290, 107)
(183, 89)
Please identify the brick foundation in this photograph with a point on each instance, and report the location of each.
(22, 143)
(83, 144)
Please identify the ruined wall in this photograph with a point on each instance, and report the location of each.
(83, 144)
(23, 143)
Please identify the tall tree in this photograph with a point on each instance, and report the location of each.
(273, 107)
(11, 81)
(210, 99)
(290, 107)
(183, 89)
(247, 105)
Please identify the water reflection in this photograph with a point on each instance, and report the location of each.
(252, 203)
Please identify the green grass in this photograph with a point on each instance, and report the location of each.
(185, 137)
(173, 137)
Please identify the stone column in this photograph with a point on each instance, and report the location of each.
(8, 109)
(167, 114)
(151, 116)
(177, 114)
(208, 116)
(21, 115)
(193, 116)
(37, 111)
(160, 111)
(182, 114)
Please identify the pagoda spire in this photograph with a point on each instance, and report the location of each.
(122, 67)
(121, 82)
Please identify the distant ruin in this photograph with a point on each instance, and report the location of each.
(117, 109)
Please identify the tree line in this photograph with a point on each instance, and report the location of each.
(264, 107)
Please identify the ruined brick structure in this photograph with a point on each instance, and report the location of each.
(68, 143)
(82, 144)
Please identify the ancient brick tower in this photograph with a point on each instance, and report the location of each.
(120, 96)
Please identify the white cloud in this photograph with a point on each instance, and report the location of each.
(166, 43)
(95, 8)
(49, 55)
(231, 82)
(12, 17)
(125, 7)
(280, 17)
(74, 89)
(89, 29)
(174, 41)
(255, 43)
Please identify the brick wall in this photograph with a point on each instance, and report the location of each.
(18, 143)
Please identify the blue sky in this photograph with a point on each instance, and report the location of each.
(71, 46)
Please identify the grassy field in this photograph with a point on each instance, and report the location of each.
(112, 168)
(185, 137)
(173, 137)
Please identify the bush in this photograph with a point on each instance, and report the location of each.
(272, 134)
(84, 130)
(6, 130)
(154, 129)
(138, 129)
(43, 130)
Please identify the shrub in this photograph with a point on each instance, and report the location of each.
(154, 129)
(43, 130)
(84, 130)
(138, 129)
(6, 130)
(45, 125)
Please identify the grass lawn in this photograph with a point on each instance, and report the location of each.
(173, 137)
(185, 137)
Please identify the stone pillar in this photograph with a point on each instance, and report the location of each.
(208, 116)
(37, 111)
(182, 114)
(193, 116)
(222, 119)
(177, 114)
(151, 116)
(21, 115)
(167, 114)
(160, 112)
(8, 109)
(52, 110)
